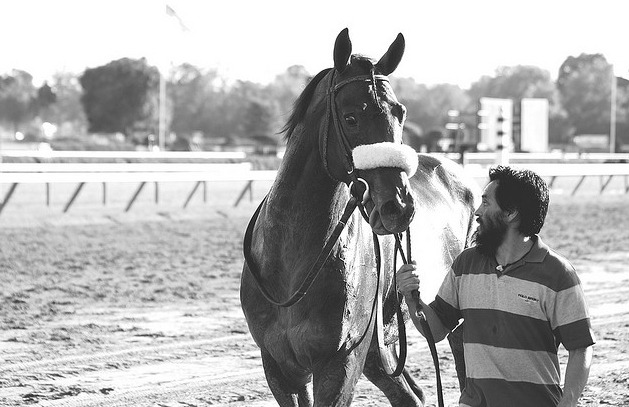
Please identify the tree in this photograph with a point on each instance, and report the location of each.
(244, 98)
(523, 81)
(202, 102)
(67, 110)
(622, 112)
(515, 82)
(584, 83)
(258, 120)
(121, 97)
(192, 95)
(284, 91)
(17, 96)
(44, 100)
(428, 106)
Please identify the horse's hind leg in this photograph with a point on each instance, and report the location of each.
(287, 392)
(401, 390)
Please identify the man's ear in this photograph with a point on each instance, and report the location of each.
(513, 216)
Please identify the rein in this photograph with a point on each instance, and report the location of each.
(315, 269)
(332, 114)
(422, 321)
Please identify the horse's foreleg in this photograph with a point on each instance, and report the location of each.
(401, 390)
(287, 392)
(335, 379)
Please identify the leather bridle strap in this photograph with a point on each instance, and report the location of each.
(422, 321)
(332, 114)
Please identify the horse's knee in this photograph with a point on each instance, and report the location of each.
(288, 390)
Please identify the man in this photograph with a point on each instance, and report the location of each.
(519, 300)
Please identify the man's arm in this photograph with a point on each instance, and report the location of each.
(439, 331)
(407, 282)
(577, 372)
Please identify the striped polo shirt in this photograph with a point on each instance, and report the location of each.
(514, 323)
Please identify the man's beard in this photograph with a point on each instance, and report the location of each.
(490, 236)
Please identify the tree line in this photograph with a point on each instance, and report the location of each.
(123, 97)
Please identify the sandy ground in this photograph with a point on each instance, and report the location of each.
(104, 308)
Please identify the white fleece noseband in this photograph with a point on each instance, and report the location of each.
(370, 156)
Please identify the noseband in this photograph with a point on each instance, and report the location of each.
(332, 114)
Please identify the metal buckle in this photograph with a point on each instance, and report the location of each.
(355, 192)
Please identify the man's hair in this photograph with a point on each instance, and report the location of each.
(523, 191)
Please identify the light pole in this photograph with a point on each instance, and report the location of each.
(502, 153)
(161, 134)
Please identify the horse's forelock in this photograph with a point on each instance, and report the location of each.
(301, 104)
(363, 63)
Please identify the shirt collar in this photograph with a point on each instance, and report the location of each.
(538, 251)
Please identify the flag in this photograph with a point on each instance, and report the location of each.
(171, 12)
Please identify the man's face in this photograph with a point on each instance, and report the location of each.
(492, 225)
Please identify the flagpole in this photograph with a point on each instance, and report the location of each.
(163, 70)
(612, 119)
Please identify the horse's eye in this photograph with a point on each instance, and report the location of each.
(350, 119)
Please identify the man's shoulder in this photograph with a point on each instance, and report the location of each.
(550, 257)
(556, 271)
(469, 259)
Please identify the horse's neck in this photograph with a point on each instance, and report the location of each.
(304, 204)
(303, 187)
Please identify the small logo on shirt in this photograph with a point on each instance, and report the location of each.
(528, 299)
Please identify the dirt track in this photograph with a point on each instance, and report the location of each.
(143, 310)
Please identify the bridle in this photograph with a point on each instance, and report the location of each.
(331, 114)
(358, 188)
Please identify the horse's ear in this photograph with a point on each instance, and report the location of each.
(392, 57)
(342, 50)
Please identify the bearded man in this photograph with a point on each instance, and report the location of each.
(519, 299)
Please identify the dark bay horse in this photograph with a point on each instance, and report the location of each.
(346, 126)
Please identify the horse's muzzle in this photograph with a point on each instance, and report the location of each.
(390, 203)
(396, 215)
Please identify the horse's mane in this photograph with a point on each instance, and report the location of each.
(301, 104)
(303, 101)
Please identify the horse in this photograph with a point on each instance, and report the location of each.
(344, 144)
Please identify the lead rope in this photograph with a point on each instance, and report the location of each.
(422, 316)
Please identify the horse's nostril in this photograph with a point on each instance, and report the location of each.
(392, 208)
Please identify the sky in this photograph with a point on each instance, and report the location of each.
(455, 41)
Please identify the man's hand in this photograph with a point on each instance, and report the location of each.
(577, 372)
(407, 279)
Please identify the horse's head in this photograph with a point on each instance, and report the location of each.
(361, 135)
